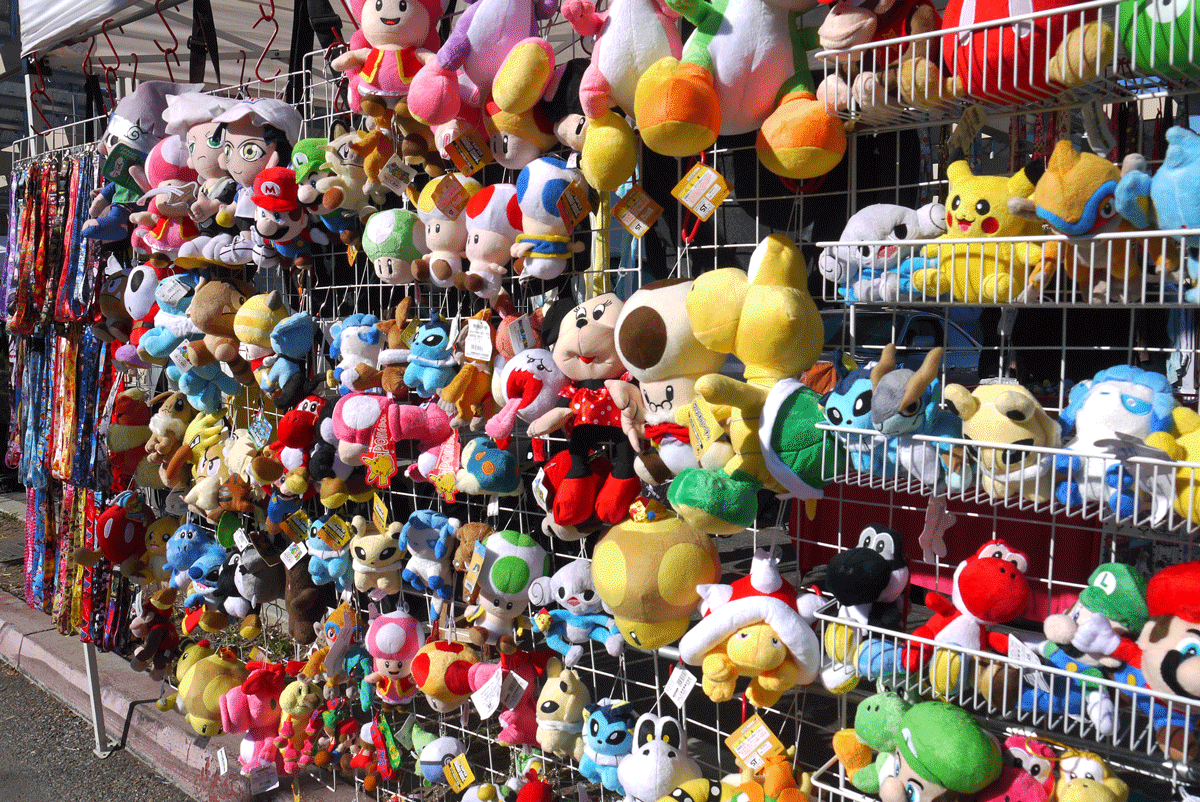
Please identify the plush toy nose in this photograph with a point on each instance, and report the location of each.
(580, 322)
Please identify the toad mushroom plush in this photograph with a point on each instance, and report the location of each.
(752, 628)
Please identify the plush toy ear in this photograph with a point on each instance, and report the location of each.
(540, 591)
(553, 318)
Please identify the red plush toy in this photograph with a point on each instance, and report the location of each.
(295, 435)
(127, 435)
(121, 533)
(989, 588)
(520, 721)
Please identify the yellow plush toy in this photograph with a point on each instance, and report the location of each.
(978, 207)
(1184, 447)
(768, 320)
(1085, 777)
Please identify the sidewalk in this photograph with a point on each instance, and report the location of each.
(164, 741)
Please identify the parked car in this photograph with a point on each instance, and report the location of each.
(915, 333)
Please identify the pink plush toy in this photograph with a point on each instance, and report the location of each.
(167, 224)
(393, 641)
(253, 708)
(1034, 757)
(520, 722)
(493, 224)
(395, 39)
(494, 41)
(1013, 785)
(356, 415)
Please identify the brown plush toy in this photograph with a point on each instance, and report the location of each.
(212, 311)
(170, 415)
(306, 603)
(466, 536)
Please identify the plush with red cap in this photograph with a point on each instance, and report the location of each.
(275, 189)
(1175, 591)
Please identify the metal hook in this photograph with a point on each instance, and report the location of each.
(135, 68)
(87, 57)
(242, 77)
(111, 46)
(265, 17)
(173, 50)
(38, 88)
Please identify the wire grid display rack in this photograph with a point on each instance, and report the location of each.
(1068, 541)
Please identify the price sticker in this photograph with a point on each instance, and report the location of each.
(513, 689)
(701, 190)
(263, 779)
(121, 159)
(396, 175)
(260, 430)
(474, 569)
(240, 539)
(469, 152)
(171, 291)
(520, 334)
(637, 211)
(703, 426)
(458, 774)
(753, 742)
(293, 554)
(573, 205)
(969, 125)
(1022, 652)
(450, 196)
(296, 525)
(487, 698)
(379, 512)
(334, 531)
(180, 358)
(680, 685)
(478, 343)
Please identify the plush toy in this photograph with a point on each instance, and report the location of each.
(519, 721)
(156, 634)
(434, 756)
(568, 630)
(1157, 42)
(1185, 448)
(187, 545)
(1003, 411)
(393, 640)
(767, 319)
(942, 753)
(1123, 404)
(990, 588)
(870, 271)
(1035, 758)
(445, 237)
(430, 358)
(166, 224)
(356, 416)
(470, 391)
(392, 241)
(529, 386)
(114, 323)
(607, 737)
(1013, 785)
(344, 190)
(631, 36)
(659, 760)
(868, 582)
(377, 558)
(467, 536)
(493, 218)
(326, 565)
(172, 296)
(894, 393)
(1086, 777)
(204, 385)
(744, 68)
(978, 207)
(876, 729)
(544, 246)
(441, 670)
(254, 583)
(213, 311)
(283, 215)
(141, 302)
(121, 536)
(1159, 201)
(848, 406)
(560, 719)
(299, 700)
(201, 689)
(582, 340)
(354, 344)
(488, 470)
(427, 536)
(1076, 197)
(493, 41)
(513, 562)
(210, 474)
(647, 572)
(752, 628)
(657, 347)
(775, 781)
(128, 433)
(192, 117)
(516, 140)
(253, 708)
(135, 126)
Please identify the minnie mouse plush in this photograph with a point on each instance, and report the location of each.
(589, 410)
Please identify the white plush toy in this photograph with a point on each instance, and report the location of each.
(659, 761)
(868, 272)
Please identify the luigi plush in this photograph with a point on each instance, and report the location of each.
(943, 754)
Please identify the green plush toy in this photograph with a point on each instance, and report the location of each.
(876, 729)
(943, 754)
(793, 446)
(393, 240)
(744, 68)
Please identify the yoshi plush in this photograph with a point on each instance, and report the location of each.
(771, 324)
(744, 68)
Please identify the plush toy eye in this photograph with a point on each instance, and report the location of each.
(379, 5)
(191, 148)
(864, 251)
(955, 202)
(911, 409)
(588, 595)
(912, 792)
(549, 706)
(1107, 209)
(983, 207)
(862, 404)
(775, 642)
(476, 240)
(900, 231)
(594, 727)
(437, 228)
(562, 593)
(1188, 647)
(1165, 12)
(509, 606)
(387, 553)
(252, 152)
(835, 416)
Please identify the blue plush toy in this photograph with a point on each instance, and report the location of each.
(607, 737)
(1168, 200)
(184, 547)
(354, 342)
(582, 615)
(848, 406)
(203, 385)
(426, 536)
(171, 327)
(291, 340)
(205, 573)
(488, 470)
(326, 565)
(431, 363)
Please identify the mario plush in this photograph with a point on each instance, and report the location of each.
(282, 217)
(1170, 658)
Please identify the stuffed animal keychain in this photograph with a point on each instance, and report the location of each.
(607, 737)
(560, 715)
(659, 760)
(393, 639)
(568, 630)
(871, 272)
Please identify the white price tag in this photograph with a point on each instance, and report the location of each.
(487, 698)
(512, 690)
(520, 333)
(540, 494)
(260, 430)
(180, 358)
(1022, 652)
(396, 175)
(223, 761)
(478, 345)
(241, 539)
(493, 506)
(171, 291)
(263, 779)
(701, 190)
(680, 685)
(293, 554)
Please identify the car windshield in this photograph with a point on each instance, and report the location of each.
(872, 330)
